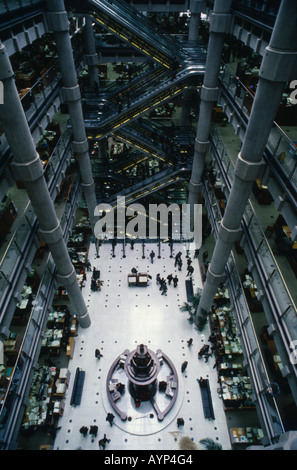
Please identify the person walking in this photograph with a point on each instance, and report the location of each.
(98, 354)
(94, 430)
(169, 278)
(102, 442)
(152, 255)
(177, 258)
(164, 288)
(84, 430)
(184, 366)
(180, 264)
(190, 270)
(190, 342)
(162, 281)
(175, 281)
(110, 417)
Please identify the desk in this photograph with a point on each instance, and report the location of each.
(236, 391)
(78, 256)
(287, 232)
(246, 435)
(224, 321)
(52, 341)
(39, 398)
(227, 369)
(70, 348)
(5, 377)
(59, 406)
(262, 193)
(56, 318)
(139, 279)
(251, 292)
(76, 239)
(12, 344)
(61, 384)
(74, 327)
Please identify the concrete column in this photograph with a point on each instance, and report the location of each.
(219, 25)
(278, 67)
(91, 57)
(58, 23)
(27, 167)
(195, 9)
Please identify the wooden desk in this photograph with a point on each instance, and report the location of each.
(70, 348)
(288, 232)
(139, 279)
(247, 435)
(262, 193)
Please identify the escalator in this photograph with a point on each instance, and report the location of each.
(150, 148)
(166, 86)
(175, 67)
(131, 26)
(152, 184)
(145, 73)
(163, 143)
(134, 159)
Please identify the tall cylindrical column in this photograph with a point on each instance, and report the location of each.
(91, 57)
(219, 26)
(279, 66)
(57, 19)
(195, 9)
(28, 168)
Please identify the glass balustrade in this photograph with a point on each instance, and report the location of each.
(31, 335)
(7, 6)
(35, 97)
(252, 351)
(40, 91)
(274, 278)
(28, 347)
(265, 6)
(14, 251)
(259, 373)
(19, 239)
(283, 149)
(56, 156)
(131, 18)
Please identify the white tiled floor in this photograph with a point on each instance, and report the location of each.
(123, 317)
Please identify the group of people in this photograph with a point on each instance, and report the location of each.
(178, 262)
(205, 352)
(96, 283)
(84, 430)
(93, 431)
(163, 284)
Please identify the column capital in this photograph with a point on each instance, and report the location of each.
(229, 235)
(220, 23)
(278, 66)
(247, 171)
(27, 171)
(209, 94)
(51, 236)
(57, 21)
